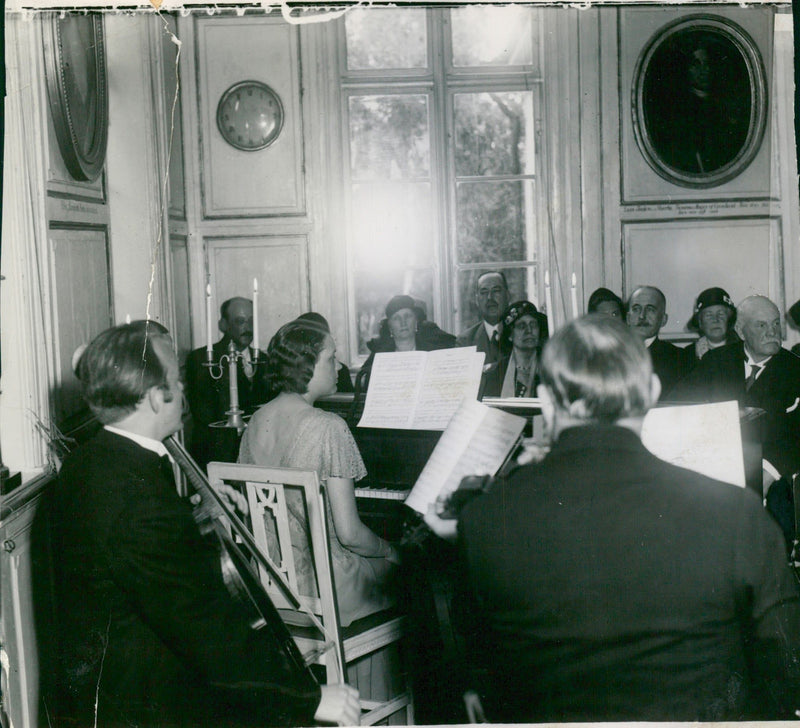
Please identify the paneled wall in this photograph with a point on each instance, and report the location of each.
(685, 238)
(247, 211)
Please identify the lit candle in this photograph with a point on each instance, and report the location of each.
(548, 301)
(255, 315)
(209, 335)
(574, 295)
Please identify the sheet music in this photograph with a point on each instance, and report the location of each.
(706, 438)
(450, 377)
(476, 442)
(393, 388)
(420, 390)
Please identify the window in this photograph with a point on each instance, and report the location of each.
(441, 110)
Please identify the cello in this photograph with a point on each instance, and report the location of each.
(237, 569)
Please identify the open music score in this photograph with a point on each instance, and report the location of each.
(420, 390)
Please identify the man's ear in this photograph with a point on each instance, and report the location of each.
(223, 325)
(737, 327)
(548, 406)
(665, 319)
(655, 389)
(155, 399)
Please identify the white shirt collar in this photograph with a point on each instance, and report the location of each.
(148, 443)
(648, 342)
(749, 362)
(491, 329)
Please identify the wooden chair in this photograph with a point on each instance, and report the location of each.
(313, 617)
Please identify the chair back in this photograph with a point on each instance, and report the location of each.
(296, 550)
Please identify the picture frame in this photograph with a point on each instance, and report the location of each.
(77, 89)
(699, 101)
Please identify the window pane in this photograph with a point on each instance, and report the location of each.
(389, 137)
(521, 286)
(386, 38)
(375, 288)
(392, 225)
(494, 221)
(492, 36)
(494, 133)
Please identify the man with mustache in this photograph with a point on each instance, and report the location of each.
(209, 398)
(646, 314)
(757, 372)
(491, 298)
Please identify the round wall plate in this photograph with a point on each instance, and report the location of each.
(250, 116)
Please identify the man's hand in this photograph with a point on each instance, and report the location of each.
(232, 497)
(446, 528)
(338, 704)
(532, 452)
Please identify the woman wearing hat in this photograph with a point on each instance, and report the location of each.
(405, 328)
(517, 374)
(714, 317)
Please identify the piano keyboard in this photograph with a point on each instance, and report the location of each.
(384, 493)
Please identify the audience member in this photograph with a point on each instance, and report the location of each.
(209, 398)
(289, 432)
(758, 372)
(606, 302)
(794, 317)
(611, 586)
(517, 373)
(491, 298)
(343, 381)
(714, 319)
(647, 313)
(145, 630)
(405, 328)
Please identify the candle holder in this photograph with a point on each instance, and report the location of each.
(216, 369)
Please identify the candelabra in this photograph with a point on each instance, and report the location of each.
(216, 369)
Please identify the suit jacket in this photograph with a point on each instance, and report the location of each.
(669, 363)
(720, 376)
(209, 400)
(610, 585)
(476, 336)
(141, 603)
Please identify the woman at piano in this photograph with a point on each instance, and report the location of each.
(289, 432)
(517, 374)
(405, 328)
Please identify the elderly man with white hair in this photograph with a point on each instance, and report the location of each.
(756, 372)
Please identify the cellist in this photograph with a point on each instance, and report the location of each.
(143, 629)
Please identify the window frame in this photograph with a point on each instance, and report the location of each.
(441, 81)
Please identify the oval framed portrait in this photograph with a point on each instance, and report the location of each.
(77, 88)
(699, 101)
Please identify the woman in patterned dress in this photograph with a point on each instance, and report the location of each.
(290, 432)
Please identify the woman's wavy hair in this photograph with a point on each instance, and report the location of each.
(120, 366)
(597, 370)
(292, 355)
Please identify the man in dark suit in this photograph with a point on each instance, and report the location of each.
(610, 585)
(209, 398)
(146, 632)
(646, 314)
(491, 298)
(758, 372)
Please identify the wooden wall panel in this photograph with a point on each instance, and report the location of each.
(81, 299)
(181, 293)
(683, 258)
(260, 183)
(640, 183)
(279, 263)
